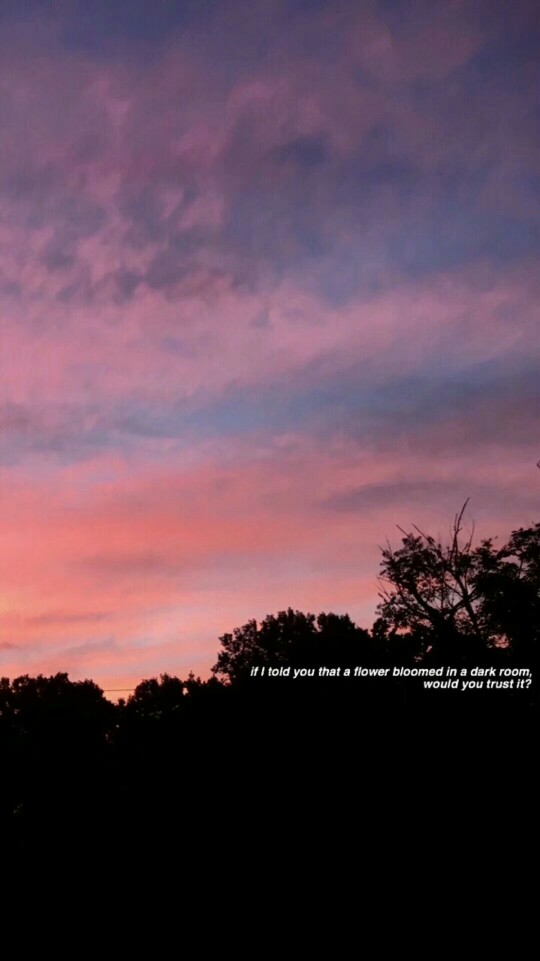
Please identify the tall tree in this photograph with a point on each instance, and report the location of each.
(458, 601)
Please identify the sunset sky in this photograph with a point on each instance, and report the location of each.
(269, 286)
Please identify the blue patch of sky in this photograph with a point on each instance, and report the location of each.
(350, 400)
(349, 393)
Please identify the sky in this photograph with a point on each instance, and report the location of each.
(269, 287)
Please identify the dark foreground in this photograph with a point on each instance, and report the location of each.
(190, 765)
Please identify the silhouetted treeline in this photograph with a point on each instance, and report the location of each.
(73, 762)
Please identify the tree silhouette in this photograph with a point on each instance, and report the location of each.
(290, 638)
(428, 589)
(508, 585)
(454, 601)
(54, 737)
